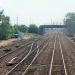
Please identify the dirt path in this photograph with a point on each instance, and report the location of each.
(7, 42)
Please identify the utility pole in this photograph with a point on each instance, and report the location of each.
(51, 21)
(17, 20)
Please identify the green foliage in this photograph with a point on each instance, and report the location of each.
(33, 29)
(23, 28)
(1, 14)
(5, 27)
(16, 29)
(69, 21)
(20, 28)
(7, 31)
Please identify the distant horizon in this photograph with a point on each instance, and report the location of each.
(37, 11)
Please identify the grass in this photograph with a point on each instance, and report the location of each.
(28, 35)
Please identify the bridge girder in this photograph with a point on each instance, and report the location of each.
(42, 27)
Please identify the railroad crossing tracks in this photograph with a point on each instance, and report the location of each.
(52, 54)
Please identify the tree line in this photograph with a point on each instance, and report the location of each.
(7, 30)
(69, 22)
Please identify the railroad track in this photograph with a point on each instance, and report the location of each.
(41, 65)
(15, 50)
(18, 45)
(23, 45)
(31, 68)
(19, 53)
(57, 62)
(51, 55)
(57, 66)
(69, 54)
(66, 66)
(27, 60)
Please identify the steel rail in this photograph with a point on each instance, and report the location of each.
(28, 43)
(63, 58)
(52, 57)
(38, 52)
(23, 59)
(15, 50)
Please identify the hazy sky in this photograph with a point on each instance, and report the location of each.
(37, 11)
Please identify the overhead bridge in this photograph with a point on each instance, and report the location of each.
(42, 27)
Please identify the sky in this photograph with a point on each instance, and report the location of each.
(37, 11)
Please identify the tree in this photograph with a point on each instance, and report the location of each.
(69, 21)
(20, 28)
(33, 28)
(16, 29)
(1, 14)
(23, 28)
(5, 27)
